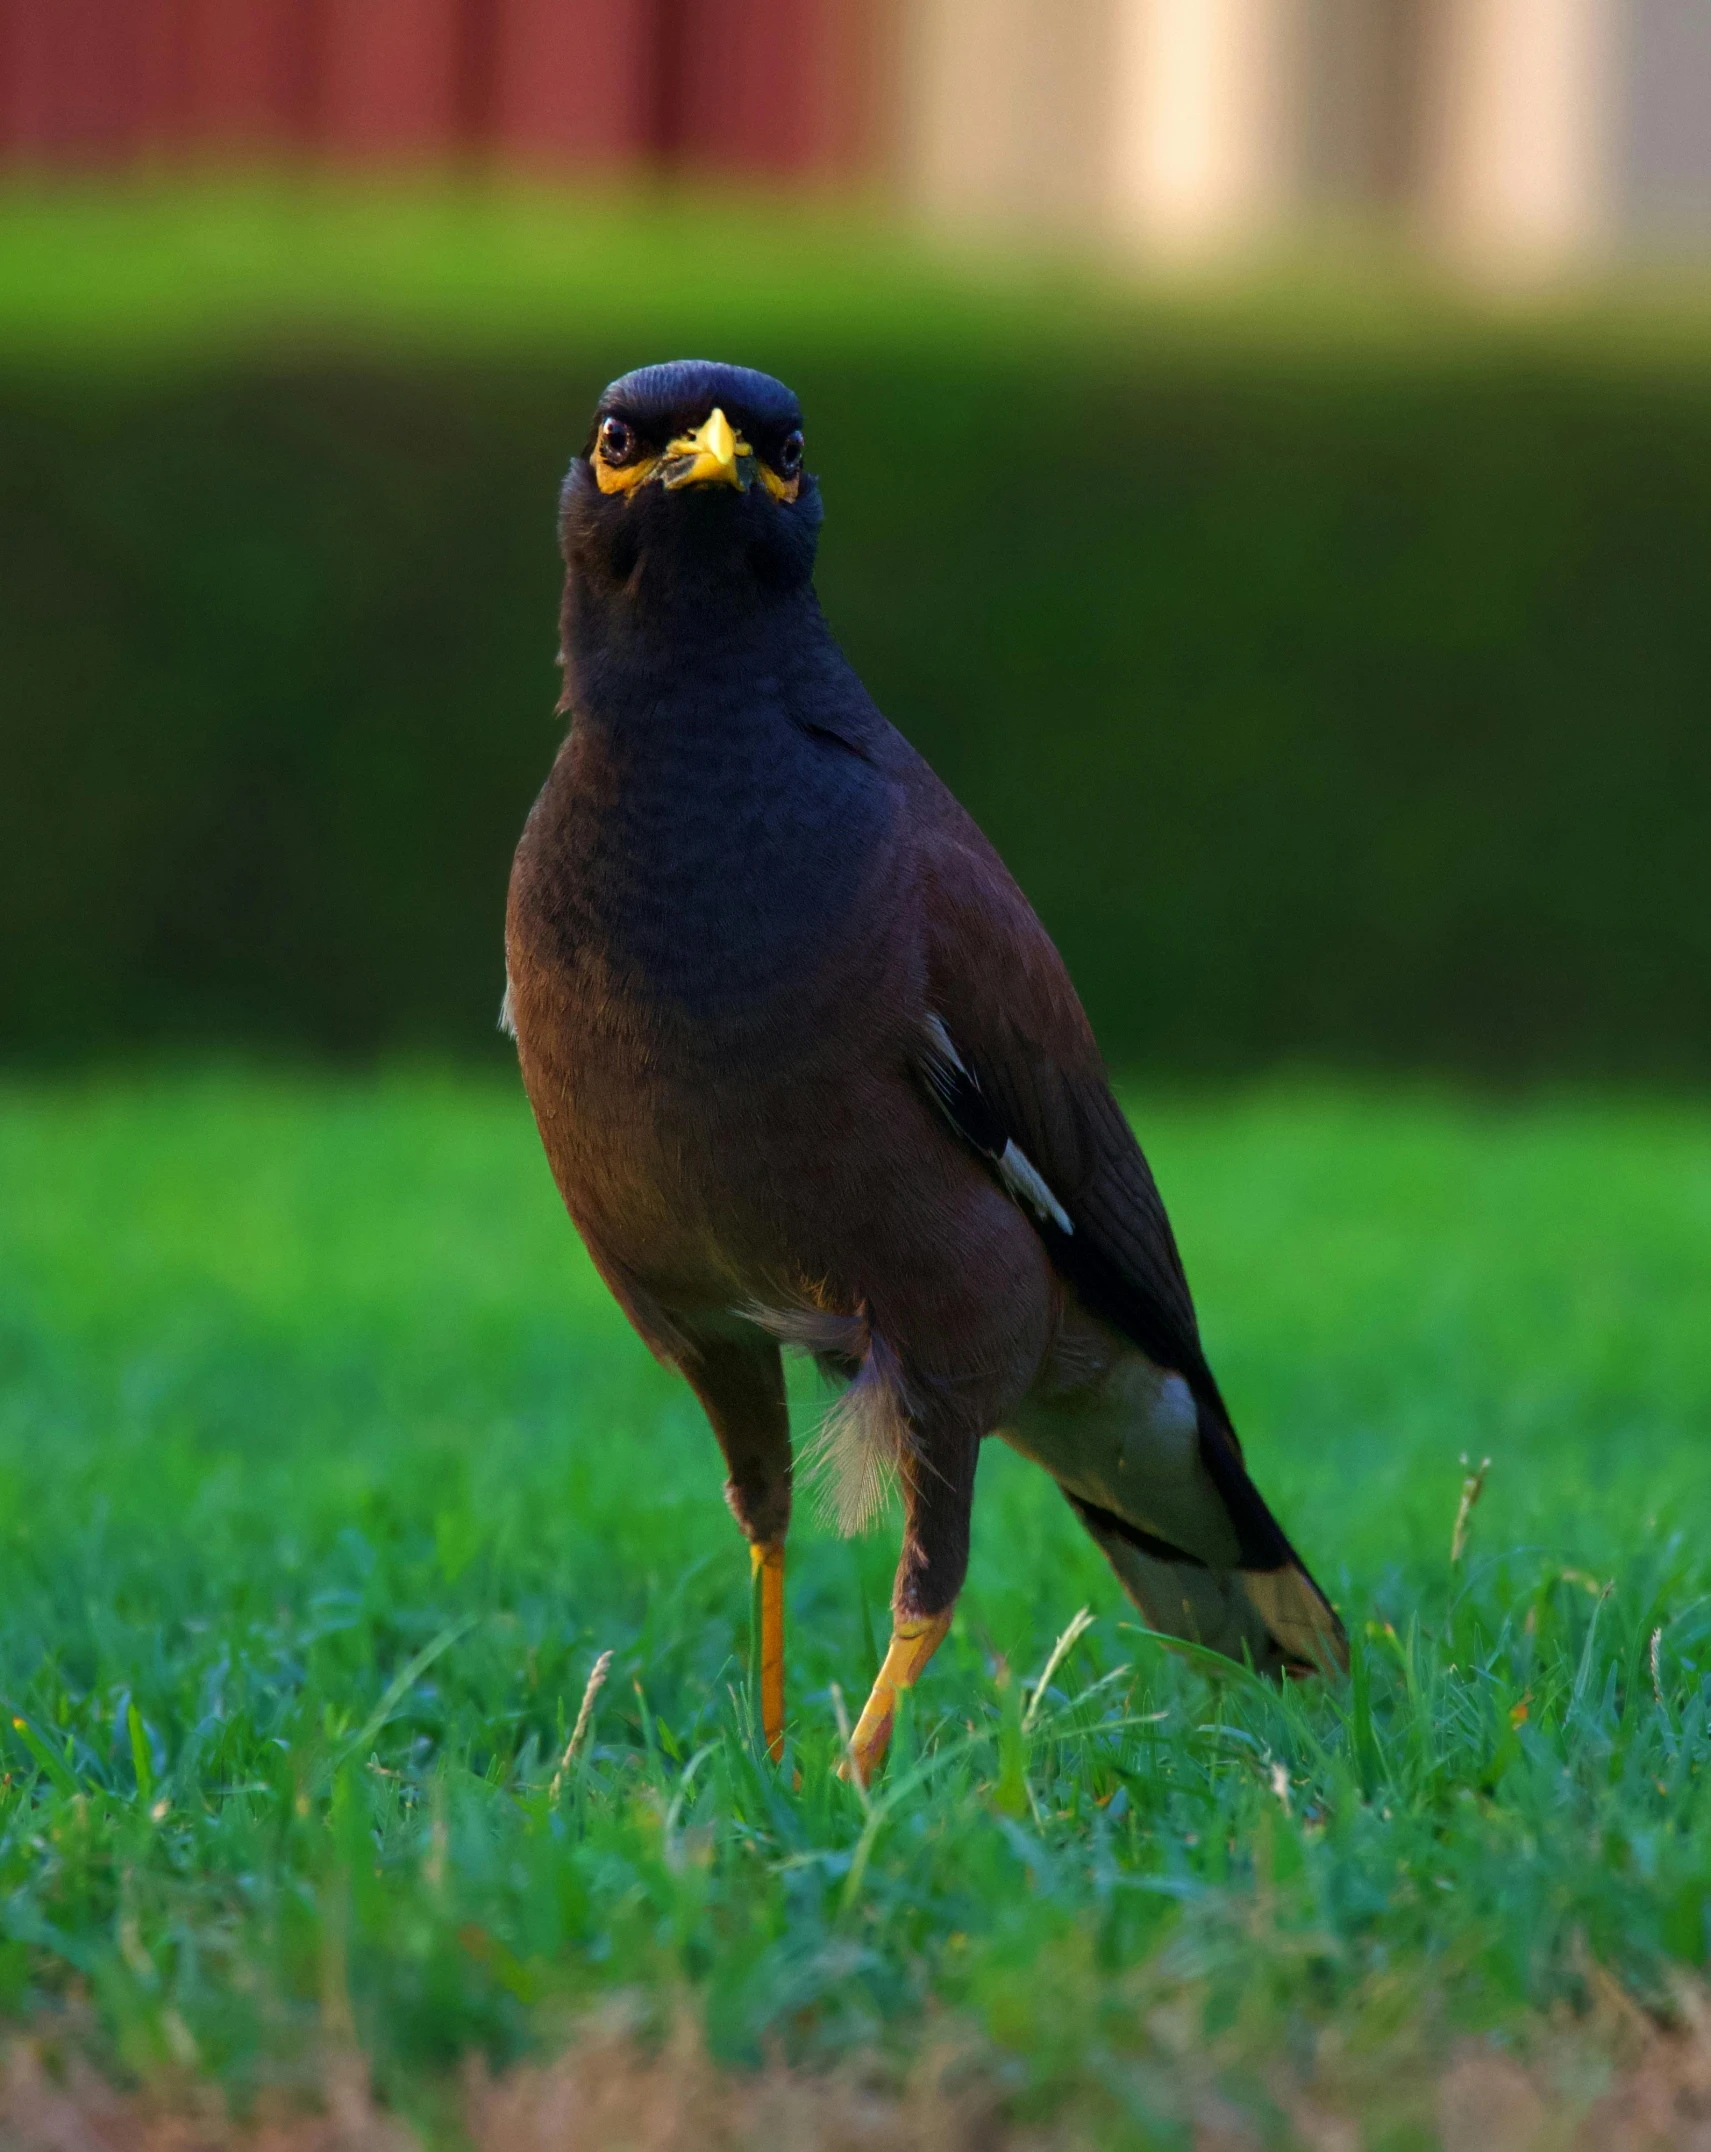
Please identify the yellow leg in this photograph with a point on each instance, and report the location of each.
(913, 1643)
(766, 1566)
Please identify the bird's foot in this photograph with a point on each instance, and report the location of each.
(766, 1567)
(914, 1640)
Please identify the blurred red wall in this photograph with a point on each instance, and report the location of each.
(765, 86)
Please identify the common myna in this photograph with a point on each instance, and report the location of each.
(810, 1073)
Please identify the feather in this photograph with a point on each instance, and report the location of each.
(955, 1090)
(851, 1461)
(1226, 1575)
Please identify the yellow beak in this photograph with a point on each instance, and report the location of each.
(710, 456)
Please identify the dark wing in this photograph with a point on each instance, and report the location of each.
(1008, 1057)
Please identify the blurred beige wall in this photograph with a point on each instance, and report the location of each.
(1521, 157)
(1006, 109)
(1513, 136)
(1201, 112)
(1164, 120)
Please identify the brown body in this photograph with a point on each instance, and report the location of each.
(753, 947)
(784, 1155)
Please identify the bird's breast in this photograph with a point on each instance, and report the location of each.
(704, 877)
(686, 949)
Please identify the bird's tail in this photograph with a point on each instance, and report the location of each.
(1277, 1620)
(1156, 1475)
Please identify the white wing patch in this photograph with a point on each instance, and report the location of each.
(507, 1016)
(942, 1043)
(1023, 1179)
(956, 1090)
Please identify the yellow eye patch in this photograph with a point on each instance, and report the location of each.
(622, 477)
(713, 454)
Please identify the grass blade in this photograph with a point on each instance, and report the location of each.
(397, 1689)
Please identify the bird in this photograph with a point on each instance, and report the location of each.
(810, 1075)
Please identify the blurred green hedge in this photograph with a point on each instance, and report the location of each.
(1332, 709)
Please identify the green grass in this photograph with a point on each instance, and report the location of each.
(326, 1468)
(136, 273)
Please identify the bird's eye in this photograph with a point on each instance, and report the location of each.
(617, 441)
(790, 454)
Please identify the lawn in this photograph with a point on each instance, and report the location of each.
(327, 1469)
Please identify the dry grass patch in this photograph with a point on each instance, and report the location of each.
(1619, 2084)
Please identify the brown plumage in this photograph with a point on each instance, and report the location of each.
(808, 1069)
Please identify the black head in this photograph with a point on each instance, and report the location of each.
(690, 492)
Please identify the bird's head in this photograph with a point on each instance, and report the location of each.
(690, 493)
